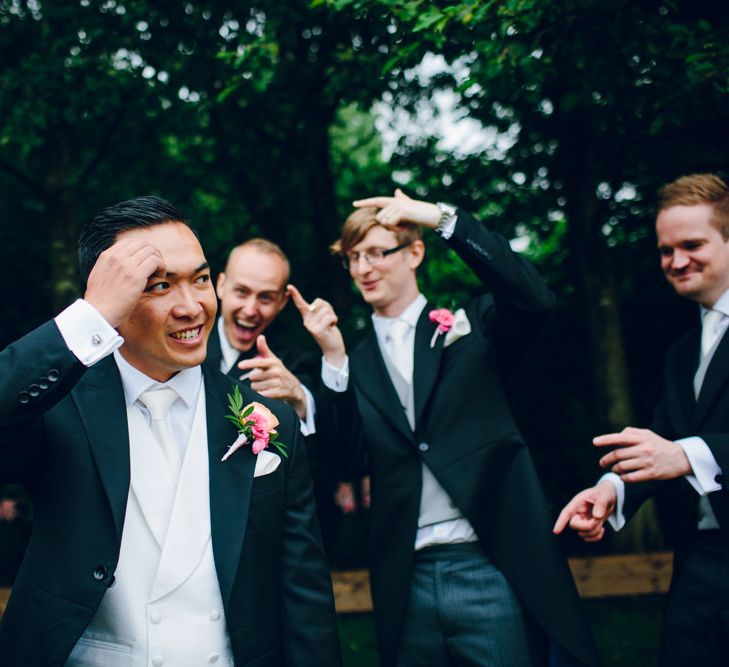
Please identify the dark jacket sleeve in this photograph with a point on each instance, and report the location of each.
(38, 370)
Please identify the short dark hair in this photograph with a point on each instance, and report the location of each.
(102, 231)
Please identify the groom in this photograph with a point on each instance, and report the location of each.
(146, 547)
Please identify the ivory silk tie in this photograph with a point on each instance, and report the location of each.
(400, 352)
(158, 402)
(709, 332)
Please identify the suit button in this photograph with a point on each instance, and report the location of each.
(719, 479)
(23, 397)
(158, 661)
(43, 383)
(53, 375)
(423, 446)
(155, 617)
(113, 581)
(99, 572)
(34, 390)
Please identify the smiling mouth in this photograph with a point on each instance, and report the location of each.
(187, 334)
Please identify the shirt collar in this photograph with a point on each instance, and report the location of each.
(411, 314)
(228, 353)
(186, 383)
(722, 305)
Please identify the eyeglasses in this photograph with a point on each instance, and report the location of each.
(373, 256)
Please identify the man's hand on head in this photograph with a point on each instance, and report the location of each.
(641, 455)
(401, 208)
(587, 512)
(270, 378)
(120, 277)
(320, 321)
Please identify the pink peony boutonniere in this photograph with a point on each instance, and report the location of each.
(255, 423)
(444, 318)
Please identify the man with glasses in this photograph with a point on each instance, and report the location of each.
(464, 570)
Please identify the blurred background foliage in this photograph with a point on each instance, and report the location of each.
(562, 119)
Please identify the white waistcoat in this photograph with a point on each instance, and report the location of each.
(164, 608)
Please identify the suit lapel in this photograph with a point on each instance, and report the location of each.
(426, 362)
(230, 482)
(716, 377)
(374, 382)
(99, 398)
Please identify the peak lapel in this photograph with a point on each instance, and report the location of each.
(99, 398)
(230, 482)
(426, 362)
(374, 382)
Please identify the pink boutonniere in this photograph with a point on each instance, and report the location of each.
(255, 423)
(444, 318)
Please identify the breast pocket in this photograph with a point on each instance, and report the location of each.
(90, 652)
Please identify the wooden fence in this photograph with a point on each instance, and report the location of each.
(596, 577)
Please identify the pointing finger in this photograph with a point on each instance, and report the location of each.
(263, 348)
(299, 301)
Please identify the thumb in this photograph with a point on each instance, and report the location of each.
(399, 194)
(599, 509)
(263, 348)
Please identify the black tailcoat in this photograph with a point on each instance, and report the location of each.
(63, 432)
(464, 432)
(680, 415)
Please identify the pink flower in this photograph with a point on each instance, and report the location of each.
(443, 317)
(259, 410)
(255, 423)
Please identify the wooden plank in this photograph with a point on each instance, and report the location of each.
(596, 577)
(633, 574)
(4, 595)
(352, 591)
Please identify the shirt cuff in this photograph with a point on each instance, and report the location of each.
(617, 518)
(308, 425)
(336, 379)
(704, 465)
(86, 333)
(446, 231)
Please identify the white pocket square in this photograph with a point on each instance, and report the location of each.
(266, 463)
(461, 327)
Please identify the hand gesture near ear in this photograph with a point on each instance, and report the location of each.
(401, 208)
(120, 277)
(320, 321)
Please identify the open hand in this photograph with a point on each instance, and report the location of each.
(401, 208)
(120, 277)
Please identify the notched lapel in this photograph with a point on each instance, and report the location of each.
(374, 382)
(426, 362)
(99, 398)
(230, 482)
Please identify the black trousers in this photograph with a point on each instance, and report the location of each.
(695, 629)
